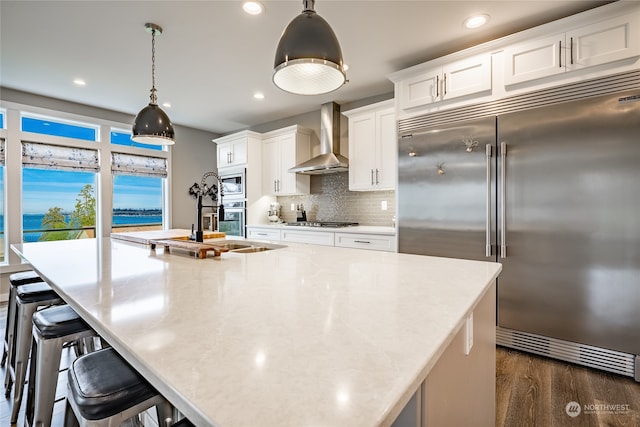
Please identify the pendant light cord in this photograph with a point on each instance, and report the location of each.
(154, 98)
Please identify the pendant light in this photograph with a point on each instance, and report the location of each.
(152, 125)
(308, 59)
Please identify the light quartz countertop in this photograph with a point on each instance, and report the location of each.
(304, 335)
(356, 229)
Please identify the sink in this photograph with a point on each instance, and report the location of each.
(245, 246)
(251, 249)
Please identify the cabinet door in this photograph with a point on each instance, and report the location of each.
(386, 149)
(608, 41)
(420, 90)
(288, 180)
(466, 77)
(362, 140)
(239, 152)
(535, 59)
(270, 166)
(224, 155)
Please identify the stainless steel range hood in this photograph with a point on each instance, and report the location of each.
(329, 160)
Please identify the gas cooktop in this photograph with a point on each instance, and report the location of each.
(327, 224)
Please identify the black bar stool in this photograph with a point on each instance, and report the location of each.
(103, 390)
(15, 280)
(28, 299)
(52, 328)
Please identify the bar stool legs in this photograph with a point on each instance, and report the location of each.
(15, 280)
(29, 299)
(52, 328)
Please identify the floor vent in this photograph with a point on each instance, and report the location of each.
(581, 354)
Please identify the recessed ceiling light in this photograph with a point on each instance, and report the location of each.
(166, 104)
(476, 21)
(79, 82)
(258, 95)
(253, 7)
(345, 67)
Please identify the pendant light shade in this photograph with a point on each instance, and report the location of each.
(152, 125)
(308, 59)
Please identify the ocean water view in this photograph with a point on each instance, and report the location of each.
(34, 222)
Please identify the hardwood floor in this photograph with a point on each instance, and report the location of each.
(535, 391)
(530, 391)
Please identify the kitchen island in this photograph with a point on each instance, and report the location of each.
(303, 335)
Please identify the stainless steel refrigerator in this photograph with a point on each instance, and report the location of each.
(548, 184)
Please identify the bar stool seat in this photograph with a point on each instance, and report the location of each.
(15, 280)
(52, 328)
(29, 298)
(103, 390)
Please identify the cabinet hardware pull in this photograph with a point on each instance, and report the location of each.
(437, 86)
(488, 219)
(371, 176)
(560, 55)
(503, 201)
(571, 51)
(261, 234)
(361, 241)
(444, 84)
(275, 189)
(377, 180)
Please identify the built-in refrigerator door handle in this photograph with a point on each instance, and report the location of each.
(503, 200)
(488, 223)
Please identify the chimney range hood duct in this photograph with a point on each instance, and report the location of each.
(329, 160)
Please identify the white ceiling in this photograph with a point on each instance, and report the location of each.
(212, 56)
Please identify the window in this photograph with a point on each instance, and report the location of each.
(137, 203)
(58, 204)
(124, 138)
(137, 192)
(2, 114)
(57, 127)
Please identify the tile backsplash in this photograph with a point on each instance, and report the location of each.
(331, 200)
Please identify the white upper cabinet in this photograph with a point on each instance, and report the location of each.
(460, 78)
(608, 41)
(372, 147)
(595, 43)
(232, 150)
(283, 149)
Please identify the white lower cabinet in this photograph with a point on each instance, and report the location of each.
(263, 234)
(377, 242)
(325, 238)
(460, 389)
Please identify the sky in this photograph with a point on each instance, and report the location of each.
(44, 189)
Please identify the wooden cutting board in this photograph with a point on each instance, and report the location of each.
(145, 237)
(199, 249)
